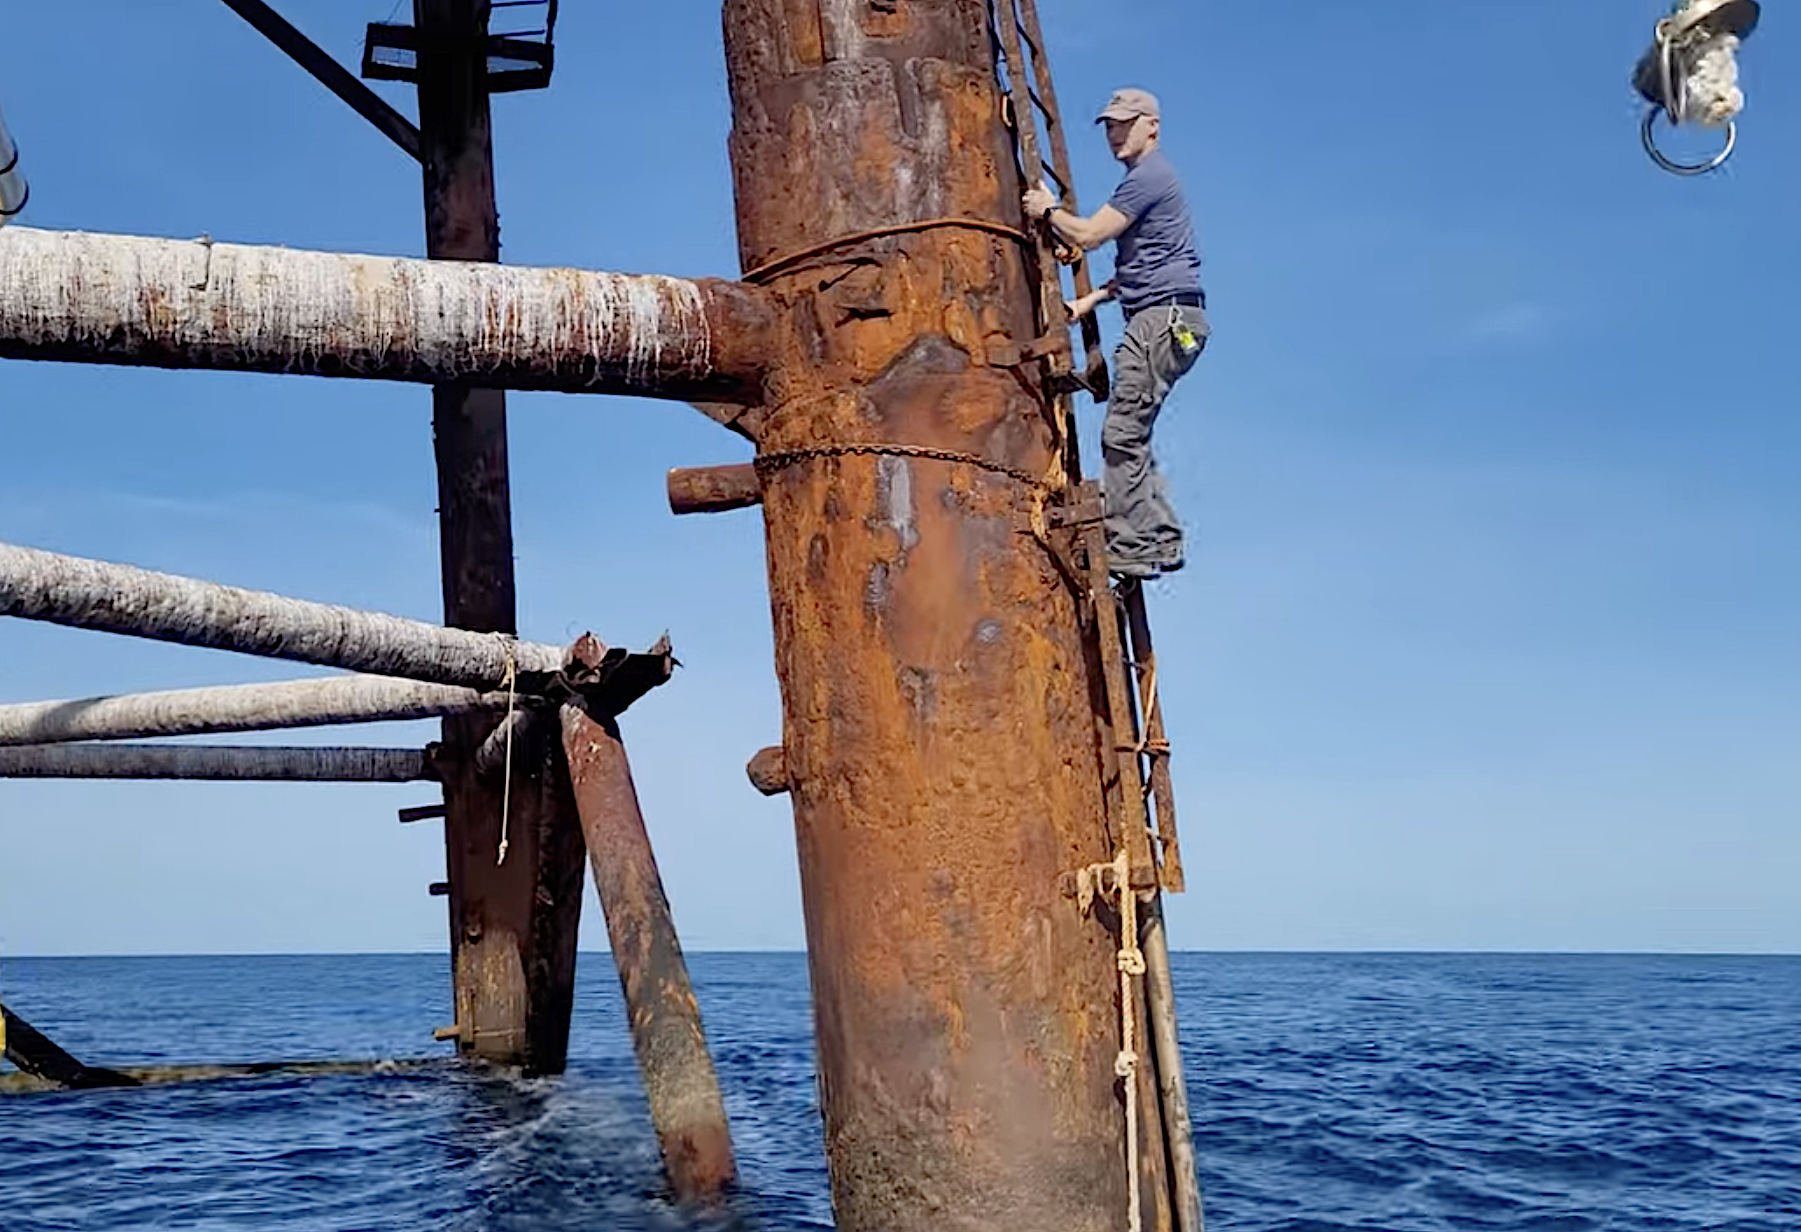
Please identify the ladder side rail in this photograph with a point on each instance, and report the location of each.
(1170, 1085)
(1156, 739)
(1025, 140)
(1134, 827)
(1096, 371)
(1159, 1161)
(1051, 314)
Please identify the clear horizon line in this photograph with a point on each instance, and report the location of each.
(1223, 953)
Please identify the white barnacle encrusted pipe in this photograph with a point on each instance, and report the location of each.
(14, 191)
(109, 598)
(197, 304)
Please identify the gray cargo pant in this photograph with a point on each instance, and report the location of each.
(1142, 532)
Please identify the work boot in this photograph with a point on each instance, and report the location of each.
(1139, 569)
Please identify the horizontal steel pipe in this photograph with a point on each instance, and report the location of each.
(196, 304)
(92, 594)
(768, 772)
(714, 489)
(205, 763)
(511, 733)
(274, 706)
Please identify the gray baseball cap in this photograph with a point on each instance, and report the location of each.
(1129, 104)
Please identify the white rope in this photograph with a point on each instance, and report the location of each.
(1130, 961)
(511, 681)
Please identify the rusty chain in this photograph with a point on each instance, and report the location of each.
(781, 264)
(769, 463)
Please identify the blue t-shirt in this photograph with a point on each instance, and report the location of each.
(1157, 256)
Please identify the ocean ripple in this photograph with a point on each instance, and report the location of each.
(1343, 1093)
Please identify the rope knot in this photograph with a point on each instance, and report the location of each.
(1131, 962)
(1126, 1064)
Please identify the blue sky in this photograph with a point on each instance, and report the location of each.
(1488, 638)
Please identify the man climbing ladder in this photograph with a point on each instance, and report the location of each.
(1157, 279)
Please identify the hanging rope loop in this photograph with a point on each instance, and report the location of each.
(511, 684)
(1109, 880)
(1690, 76)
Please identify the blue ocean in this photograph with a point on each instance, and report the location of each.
(1391, 1093)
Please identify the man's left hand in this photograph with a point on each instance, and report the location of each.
(1038, 202)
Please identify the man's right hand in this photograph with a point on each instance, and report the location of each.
(1037, 203)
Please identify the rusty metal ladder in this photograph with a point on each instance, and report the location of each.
(1133, 746)
(1137, 744)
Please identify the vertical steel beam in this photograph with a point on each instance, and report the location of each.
(938, 705)
(512, 924)
(686, 1106)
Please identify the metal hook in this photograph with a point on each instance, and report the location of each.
(1648, 134)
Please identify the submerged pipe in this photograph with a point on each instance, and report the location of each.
(34, 1053)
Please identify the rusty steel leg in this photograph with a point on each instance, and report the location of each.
(685, 1103)
(938, 732)
(1166, 1055)
(513, 924)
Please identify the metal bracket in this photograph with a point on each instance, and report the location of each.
(1083, 512)
(1053, 346)
(1086, 510)
(1069, 885)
